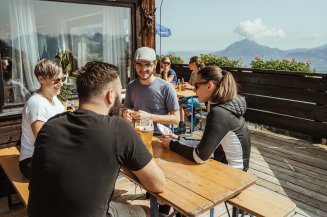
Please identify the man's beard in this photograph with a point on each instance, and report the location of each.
(115, 109)
(144, 79)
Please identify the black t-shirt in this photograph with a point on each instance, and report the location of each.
(76, 162)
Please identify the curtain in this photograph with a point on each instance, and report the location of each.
(116, 39)
(24, 43)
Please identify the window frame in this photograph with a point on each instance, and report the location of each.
(132, 4)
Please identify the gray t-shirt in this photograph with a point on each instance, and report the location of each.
(157, 98)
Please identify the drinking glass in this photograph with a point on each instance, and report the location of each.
(145, 129)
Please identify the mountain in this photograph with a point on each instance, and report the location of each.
(249, 49)
(318, 57)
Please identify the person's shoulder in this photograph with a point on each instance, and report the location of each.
(221, 113)
(125, 128)
(56, 99)
(120, 121)
(218, 110)
(133, 83)
(34, 100)
(58, 117)
(162, 82)
(56, 121)
(165, 85)
(172, 71)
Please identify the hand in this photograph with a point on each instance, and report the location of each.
(167, 138)
(141, 115)
(165, 141)
(164, 70)
(127, 114)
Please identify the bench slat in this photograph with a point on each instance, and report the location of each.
(8, 151)
(10, 164)
(262, 203)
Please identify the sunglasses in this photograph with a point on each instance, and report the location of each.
(56, 81)
(166, 63)
(197, 84)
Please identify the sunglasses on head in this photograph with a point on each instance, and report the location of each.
(56, 81)
(167, 63)
(197, 84)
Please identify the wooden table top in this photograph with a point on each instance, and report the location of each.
(193, 189)
(185, 93)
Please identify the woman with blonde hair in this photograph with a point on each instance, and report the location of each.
(41, 106)
(226, 135)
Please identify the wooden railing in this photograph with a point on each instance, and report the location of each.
(293, 101)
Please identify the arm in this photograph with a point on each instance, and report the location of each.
(171, 75)
(127, 107)
(151, 177)
(170, 78)
(217, 126)
(132, 153)
(36, 127)
(164, 74)
(171, 118)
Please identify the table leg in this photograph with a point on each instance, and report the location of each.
(212, 212)
(192, 107)
(235, 212)
(153, 206)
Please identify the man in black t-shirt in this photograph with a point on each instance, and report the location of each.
(78, 155)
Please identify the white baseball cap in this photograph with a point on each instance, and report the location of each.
(145, 54)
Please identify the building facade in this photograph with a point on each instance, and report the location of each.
(82, 30)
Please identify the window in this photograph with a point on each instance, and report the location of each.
(30, 30)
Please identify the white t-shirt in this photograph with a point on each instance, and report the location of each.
(37, 108)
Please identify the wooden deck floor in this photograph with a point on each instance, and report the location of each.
(284, 165)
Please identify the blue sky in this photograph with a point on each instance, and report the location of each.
(212, 25)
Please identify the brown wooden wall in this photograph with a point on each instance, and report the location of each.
(288, 100)
(10, 130)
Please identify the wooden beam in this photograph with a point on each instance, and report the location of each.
(293, 108)
(307, 127)
(145, 24)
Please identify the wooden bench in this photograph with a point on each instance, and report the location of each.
(261, 202)
(9, 161)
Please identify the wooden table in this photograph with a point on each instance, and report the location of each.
(193, 189)
(185, 93)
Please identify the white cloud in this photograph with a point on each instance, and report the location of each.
(254, 29)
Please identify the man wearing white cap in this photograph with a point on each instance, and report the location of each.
(149, 96)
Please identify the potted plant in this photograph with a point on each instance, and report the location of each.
(66, 60)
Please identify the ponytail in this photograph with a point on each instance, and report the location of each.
(226, 89)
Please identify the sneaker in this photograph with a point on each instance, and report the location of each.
(180, 129)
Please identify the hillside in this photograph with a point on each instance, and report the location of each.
(248, 50)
